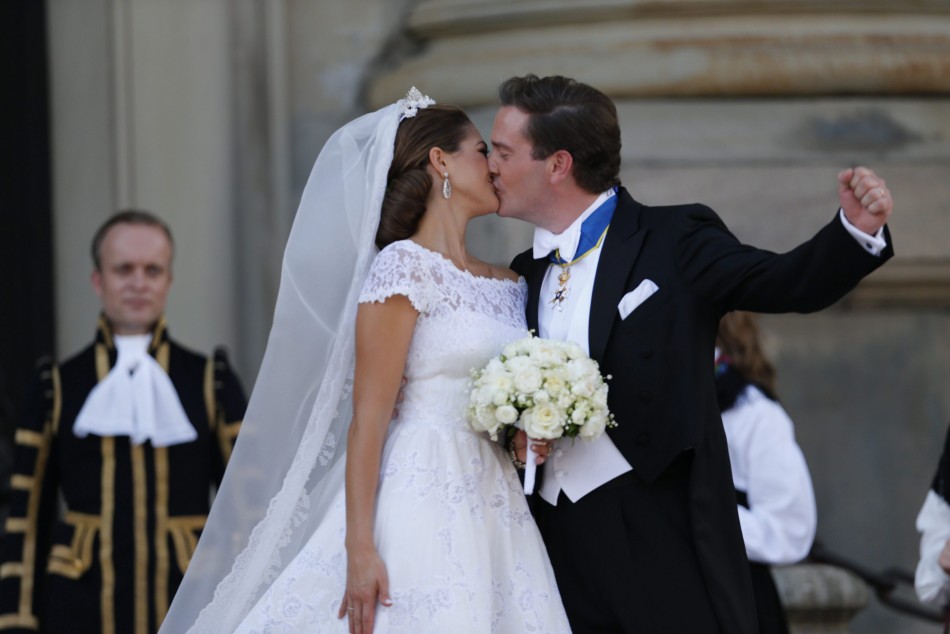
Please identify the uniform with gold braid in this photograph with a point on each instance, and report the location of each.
(113, 557)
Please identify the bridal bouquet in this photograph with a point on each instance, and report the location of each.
(548, 388)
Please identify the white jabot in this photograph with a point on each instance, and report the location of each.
(136, 399)
(576, 466)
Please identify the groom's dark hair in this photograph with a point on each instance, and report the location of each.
(564, 114)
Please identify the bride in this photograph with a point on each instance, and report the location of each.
(420, 525)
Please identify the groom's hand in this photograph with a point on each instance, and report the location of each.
(864, 198)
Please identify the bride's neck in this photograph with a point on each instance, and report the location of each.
(443, 231)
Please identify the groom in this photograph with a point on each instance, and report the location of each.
(641, 525)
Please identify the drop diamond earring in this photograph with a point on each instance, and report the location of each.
(446, 185)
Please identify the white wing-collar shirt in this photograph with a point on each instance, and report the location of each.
(576, 467)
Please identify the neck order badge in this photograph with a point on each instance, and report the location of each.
(593, 231)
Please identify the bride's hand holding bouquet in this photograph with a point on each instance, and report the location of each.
(549, 389)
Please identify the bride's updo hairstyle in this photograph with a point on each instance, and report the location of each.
(408, 183)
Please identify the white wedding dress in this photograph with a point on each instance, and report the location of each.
(452, 526)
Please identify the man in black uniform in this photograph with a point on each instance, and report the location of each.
(117, 456)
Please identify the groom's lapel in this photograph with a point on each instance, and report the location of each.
(621, 249)
(535, 277)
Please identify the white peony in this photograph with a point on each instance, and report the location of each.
(580, 368)
(584, 387)
(580, 413)
(594, 426)
(528, 379)
(554, 384)
(547, 354)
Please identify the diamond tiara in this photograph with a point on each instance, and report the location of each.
(414, 100)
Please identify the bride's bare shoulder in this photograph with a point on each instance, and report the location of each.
(504, 273)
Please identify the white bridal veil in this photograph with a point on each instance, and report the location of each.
(287, 461)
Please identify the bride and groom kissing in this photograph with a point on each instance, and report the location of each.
(419, 524)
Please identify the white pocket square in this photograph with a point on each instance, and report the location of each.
(636, 297)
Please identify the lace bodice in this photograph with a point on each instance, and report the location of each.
(464, 320)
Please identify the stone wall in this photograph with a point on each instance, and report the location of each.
(753, 108)
(211, 113)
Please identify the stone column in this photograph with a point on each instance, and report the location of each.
(142, 117)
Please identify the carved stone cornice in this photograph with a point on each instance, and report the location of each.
(679, 48)
(920, 284)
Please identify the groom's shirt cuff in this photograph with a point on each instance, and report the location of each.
(872, 244)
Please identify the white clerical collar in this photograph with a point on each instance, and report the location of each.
(566, 242)
(136, 399)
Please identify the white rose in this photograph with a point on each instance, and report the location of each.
(487, 421)
(482, 396)
(543, 422)
(506, 414)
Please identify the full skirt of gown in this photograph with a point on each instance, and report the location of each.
(452, 526)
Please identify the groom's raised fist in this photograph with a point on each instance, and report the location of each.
(864, 198)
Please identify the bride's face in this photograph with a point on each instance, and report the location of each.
(470, 178)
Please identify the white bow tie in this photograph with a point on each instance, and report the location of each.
(564, 243)
(136, 399)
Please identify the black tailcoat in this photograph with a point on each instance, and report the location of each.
(111, 558)
(663, 391)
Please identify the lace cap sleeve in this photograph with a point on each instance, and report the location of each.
(399, 269)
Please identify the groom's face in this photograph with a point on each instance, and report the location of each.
(520, 181)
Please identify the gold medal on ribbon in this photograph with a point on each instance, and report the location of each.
(560, 294)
